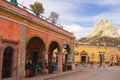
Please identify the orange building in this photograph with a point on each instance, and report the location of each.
(24, 36)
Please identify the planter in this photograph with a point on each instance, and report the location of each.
(51, 68)
(45, 71)
(64, 67)
(69, 67)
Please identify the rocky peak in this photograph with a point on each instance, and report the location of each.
(104, 28)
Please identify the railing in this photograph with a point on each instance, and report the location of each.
(31, 12)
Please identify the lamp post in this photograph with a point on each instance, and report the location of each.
(64, 45)
(64, 50)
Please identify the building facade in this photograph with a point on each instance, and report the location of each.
(87, 53)
(24, 36)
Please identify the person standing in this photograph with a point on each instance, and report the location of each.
(28, 68)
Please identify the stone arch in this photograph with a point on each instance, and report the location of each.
(52, 46)
(68, 49)
(9, 48)
(34, 50)
(7, 62)
(84, 56)
(37, 36)
(53, 52)
(66, 57)
(67, 53)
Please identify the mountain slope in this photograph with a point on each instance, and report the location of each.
(104, 32)
(104, 27)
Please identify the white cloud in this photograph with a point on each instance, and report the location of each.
(61, 7)
(78, 30)
(101, 2)
(113, 15)
(65, 8)
(109, 2)
(73, 28)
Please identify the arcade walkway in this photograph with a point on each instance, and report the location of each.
(43, 77)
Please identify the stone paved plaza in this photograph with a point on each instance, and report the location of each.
(83, 73)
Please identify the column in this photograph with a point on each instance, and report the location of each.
(15, 64)
(45, 60)
(59, 63)
(86, 59)
(72, 54)
(21, 70)
(1, 60)
(46, 56)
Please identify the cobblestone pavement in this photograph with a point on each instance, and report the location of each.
(83, 73)
(43, 77)
(108, 73)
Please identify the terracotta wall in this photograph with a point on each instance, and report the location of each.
(46, 37)
(11, 30)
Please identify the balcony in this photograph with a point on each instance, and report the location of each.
(23, 11)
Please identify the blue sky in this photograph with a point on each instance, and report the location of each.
(79, 16)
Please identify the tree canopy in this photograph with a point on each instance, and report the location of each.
(14, 2)
(53, 17)
(37, 8)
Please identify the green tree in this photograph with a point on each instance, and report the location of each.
(37, 8)
(14, 2)
(53, 17)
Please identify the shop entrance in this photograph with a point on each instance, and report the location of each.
(101, 57)
(53, 62)
(83, 59)
(7, 62)
(34, 49)
(35, 57)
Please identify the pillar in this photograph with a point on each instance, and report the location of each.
(72, 55)
(1, 60)
(15, 64)
(86, 59)
(59, 63)
(45, 58)
(21, 59)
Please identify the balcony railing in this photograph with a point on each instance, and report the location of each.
(31, 12)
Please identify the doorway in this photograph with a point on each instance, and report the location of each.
(7, 62)
(35, 57)
(66, 58)
(83, 59)
(101, 57)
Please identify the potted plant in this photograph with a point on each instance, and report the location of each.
(51, 67)
(64, 67)
(37, 8)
